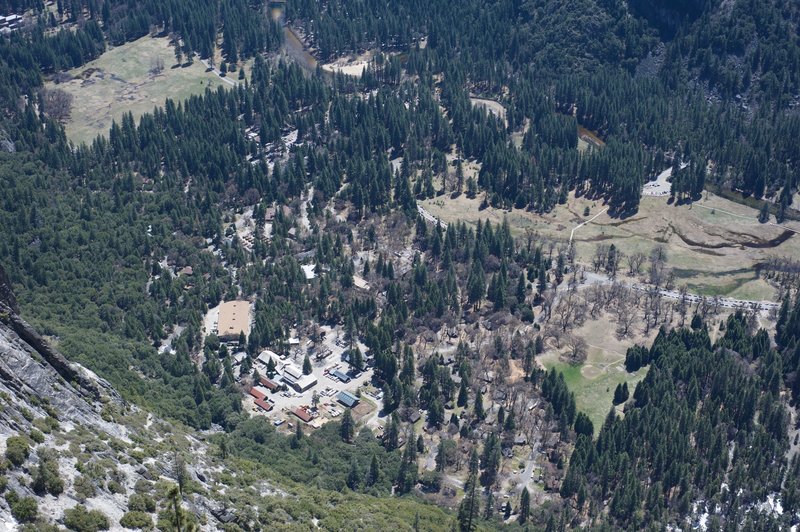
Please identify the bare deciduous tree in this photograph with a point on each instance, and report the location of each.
(595, 298)
(577, 349)
(635, 261)
(569, 310)
(599, 258)
(626, 309)
(156, 65)
(548, 297)
(56, 103)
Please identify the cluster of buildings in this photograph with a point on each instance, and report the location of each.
(9, 23)
(288, 372)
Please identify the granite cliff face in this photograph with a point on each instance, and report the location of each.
(106, 450)
(33, 372)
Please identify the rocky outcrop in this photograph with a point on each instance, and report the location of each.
(72, 373)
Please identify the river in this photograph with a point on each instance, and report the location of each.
(297, 51)
(292, 44)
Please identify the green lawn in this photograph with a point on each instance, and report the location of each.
(593, 394)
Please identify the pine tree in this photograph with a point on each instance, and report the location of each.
(490, 461)
(307, 365)
(488, 511)
(763, 214)
(524, 506)
(478, 408)
(441, 457)
(469, 508)
(347, 429)
(356, 359)
(374, 471)
(510, 424)
(353, 475)
(463, 395)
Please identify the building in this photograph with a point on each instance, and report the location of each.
(344, 377)
(303, 414)
(10, 22)
(234, 319)
(347, 399)
(263, 405)
(413, 416)
(293, 376)
(269, 384)
(308, 271)
(257, 394)
(265, 355)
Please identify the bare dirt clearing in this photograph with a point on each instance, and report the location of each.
(350, 65)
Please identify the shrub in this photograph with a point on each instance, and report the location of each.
(24, 509)
(141, 503)
(37, 436)
(136, 520)
(17, 450)
(82, 520)
(46, 479)
(115, 487)
(84, 488)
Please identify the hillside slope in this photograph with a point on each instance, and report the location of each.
(74, 452)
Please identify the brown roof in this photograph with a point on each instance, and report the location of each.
(269, 384)
(234, 317)
(264, 405)
(302, 413)
(257, 394)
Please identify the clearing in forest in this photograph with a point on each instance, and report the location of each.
(594, 380)
(122, 80)
(714, 246)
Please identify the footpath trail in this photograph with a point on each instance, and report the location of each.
(590, 220)
(225, 79)
(744, 217)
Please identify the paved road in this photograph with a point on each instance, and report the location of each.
(525, 476)
(591, 278)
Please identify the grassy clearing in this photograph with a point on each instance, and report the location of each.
(119, 81)
(593, 393)
(593, 382)
(709, 244)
